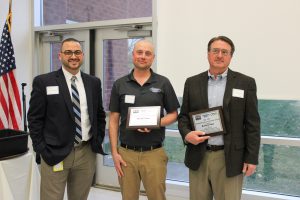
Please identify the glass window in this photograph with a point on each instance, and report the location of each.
(55, 63)
(280, 117)
(175, 149)
(117, 55)
(278, 171)
(73, 11)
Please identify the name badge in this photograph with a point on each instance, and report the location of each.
(52, 90)
(129, 99)
(238, 93)
(58, 167)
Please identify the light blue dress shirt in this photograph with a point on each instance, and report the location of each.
(216, 90)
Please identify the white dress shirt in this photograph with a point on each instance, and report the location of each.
(85, 120)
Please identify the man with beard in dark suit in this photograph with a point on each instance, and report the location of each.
(67, 125)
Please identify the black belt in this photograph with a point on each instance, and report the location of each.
(81, 144)
(140, 148)
(214, 147)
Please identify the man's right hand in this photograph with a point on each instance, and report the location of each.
(196, 137)
(118, 161)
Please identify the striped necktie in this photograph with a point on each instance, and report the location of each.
(76, 109)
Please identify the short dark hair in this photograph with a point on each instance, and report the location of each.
(68, 40)
(224, 39)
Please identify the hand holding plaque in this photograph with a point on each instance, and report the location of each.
(209, 121)
(143, 117)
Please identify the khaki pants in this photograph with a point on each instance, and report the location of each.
(210, 180)
(150, 167)
(79, 168)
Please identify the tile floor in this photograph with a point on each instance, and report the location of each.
(103, 194)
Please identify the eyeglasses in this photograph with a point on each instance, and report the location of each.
(224, 52)
(70, 53)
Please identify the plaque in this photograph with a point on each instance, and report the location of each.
(143, 117)
(210, 121)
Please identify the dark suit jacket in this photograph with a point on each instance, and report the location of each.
(241, 118)
(51, 118)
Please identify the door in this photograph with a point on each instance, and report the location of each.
(48, 46)
(113, 60)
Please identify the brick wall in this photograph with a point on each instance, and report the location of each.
(54, 12)
(58, 11)
(116, 64)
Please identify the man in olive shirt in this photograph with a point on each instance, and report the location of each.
(140, 155)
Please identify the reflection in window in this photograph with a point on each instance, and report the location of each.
(117, 62)
(280, 117)
(67, 11)
(175, 150)
(55, 63)
(278, 170)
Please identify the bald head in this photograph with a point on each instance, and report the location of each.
(143, 55)
(144, 43)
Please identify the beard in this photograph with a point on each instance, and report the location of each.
(72, 64)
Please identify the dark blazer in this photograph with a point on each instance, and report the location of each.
(51, 118)
(241, 118)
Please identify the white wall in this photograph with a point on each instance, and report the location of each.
(265, 32)
(21, 38)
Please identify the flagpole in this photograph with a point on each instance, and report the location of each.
(9, 17)
(10, 2)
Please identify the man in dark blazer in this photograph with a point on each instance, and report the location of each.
(67, 125)
(217, 164)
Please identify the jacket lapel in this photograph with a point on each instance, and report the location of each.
(227, 97)
(61, 80)
(229, 87)
(89, 97)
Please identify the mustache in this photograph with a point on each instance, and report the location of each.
(221, 60)
(73, 59)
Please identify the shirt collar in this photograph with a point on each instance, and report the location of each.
(68, 75)
(152, 78)
(221, 76)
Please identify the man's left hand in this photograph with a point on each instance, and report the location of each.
(249, 169)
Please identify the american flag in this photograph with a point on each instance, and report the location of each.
(10, 102)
